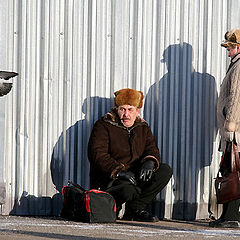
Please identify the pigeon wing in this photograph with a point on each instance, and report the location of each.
(5, 88)
(6, 75)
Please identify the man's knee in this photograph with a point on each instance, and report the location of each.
(129, 192)
(124, 189)
(164, 171)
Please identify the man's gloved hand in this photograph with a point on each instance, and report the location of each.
(128, 175)
(147, 170)
(229, 136)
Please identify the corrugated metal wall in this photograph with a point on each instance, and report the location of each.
(71, 55)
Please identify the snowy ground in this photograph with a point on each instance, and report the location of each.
(13, 227)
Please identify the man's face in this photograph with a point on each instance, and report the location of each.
(128, 114)
(232, 51)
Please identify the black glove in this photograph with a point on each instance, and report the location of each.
(127, 175)
(147, 170)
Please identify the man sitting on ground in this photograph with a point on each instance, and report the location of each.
(124, 158)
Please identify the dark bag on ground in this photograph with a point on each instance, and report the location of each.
(92, 206)
(228, 186)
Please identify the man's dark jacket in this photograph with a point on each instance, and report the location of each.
(113, 148)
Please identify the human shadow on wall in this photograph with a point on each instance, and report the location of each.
(184, 124)
(69, 157)
(30, 205)
(68, 162)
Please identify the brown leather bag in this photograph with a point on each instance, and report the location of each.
(228, 186)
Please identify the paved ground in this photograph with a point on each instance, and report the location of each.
(36, 228)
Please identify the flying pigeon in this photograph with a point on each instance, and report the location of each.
(5, 86)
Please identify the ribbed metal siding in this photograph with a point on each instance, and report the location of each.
(72, 55)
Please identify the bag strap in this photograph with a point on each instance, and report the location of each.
(221, 162)
(235, 164)
(222, 158)
(76, 185)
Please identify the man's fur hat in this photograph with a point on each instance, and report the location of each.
(128, 96)
(232, 38)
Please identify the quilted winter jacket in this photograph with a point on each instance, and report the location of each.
(228, 107)
(113, 147)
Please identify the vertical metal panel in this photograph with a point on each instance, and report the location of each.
(3, 55)
(72, 55)
(3, 64)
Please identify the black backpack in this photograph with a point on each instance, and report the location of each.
(92, 206)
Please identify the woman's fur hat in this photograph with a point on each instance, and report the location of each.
(232, 38)
(128, 96)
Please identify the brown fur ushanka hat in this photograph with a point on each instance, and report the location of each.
(232, 38)
(128, 96)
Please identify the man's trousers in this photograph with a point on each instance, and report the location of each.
(137, 197)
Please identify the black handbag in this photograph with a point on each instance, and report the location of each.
(90, 206)
(228, 186)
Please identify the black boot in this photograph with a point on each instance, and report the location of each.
(141, 216)
(223, 223)
(230, 217)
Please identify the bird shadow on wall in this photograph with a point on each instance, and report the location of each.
(69, 157)
(184, 125)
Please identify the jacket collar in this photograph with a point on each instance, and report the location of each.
(113, 118)
(235, 58)
(233, 61)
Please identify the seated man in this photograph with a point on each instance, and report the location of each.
(124, 158)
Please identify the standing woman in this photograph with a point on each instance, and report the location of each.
(228, 114)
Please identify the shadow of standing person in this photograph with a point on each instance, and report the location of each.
(184, 124)
(69, 157)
